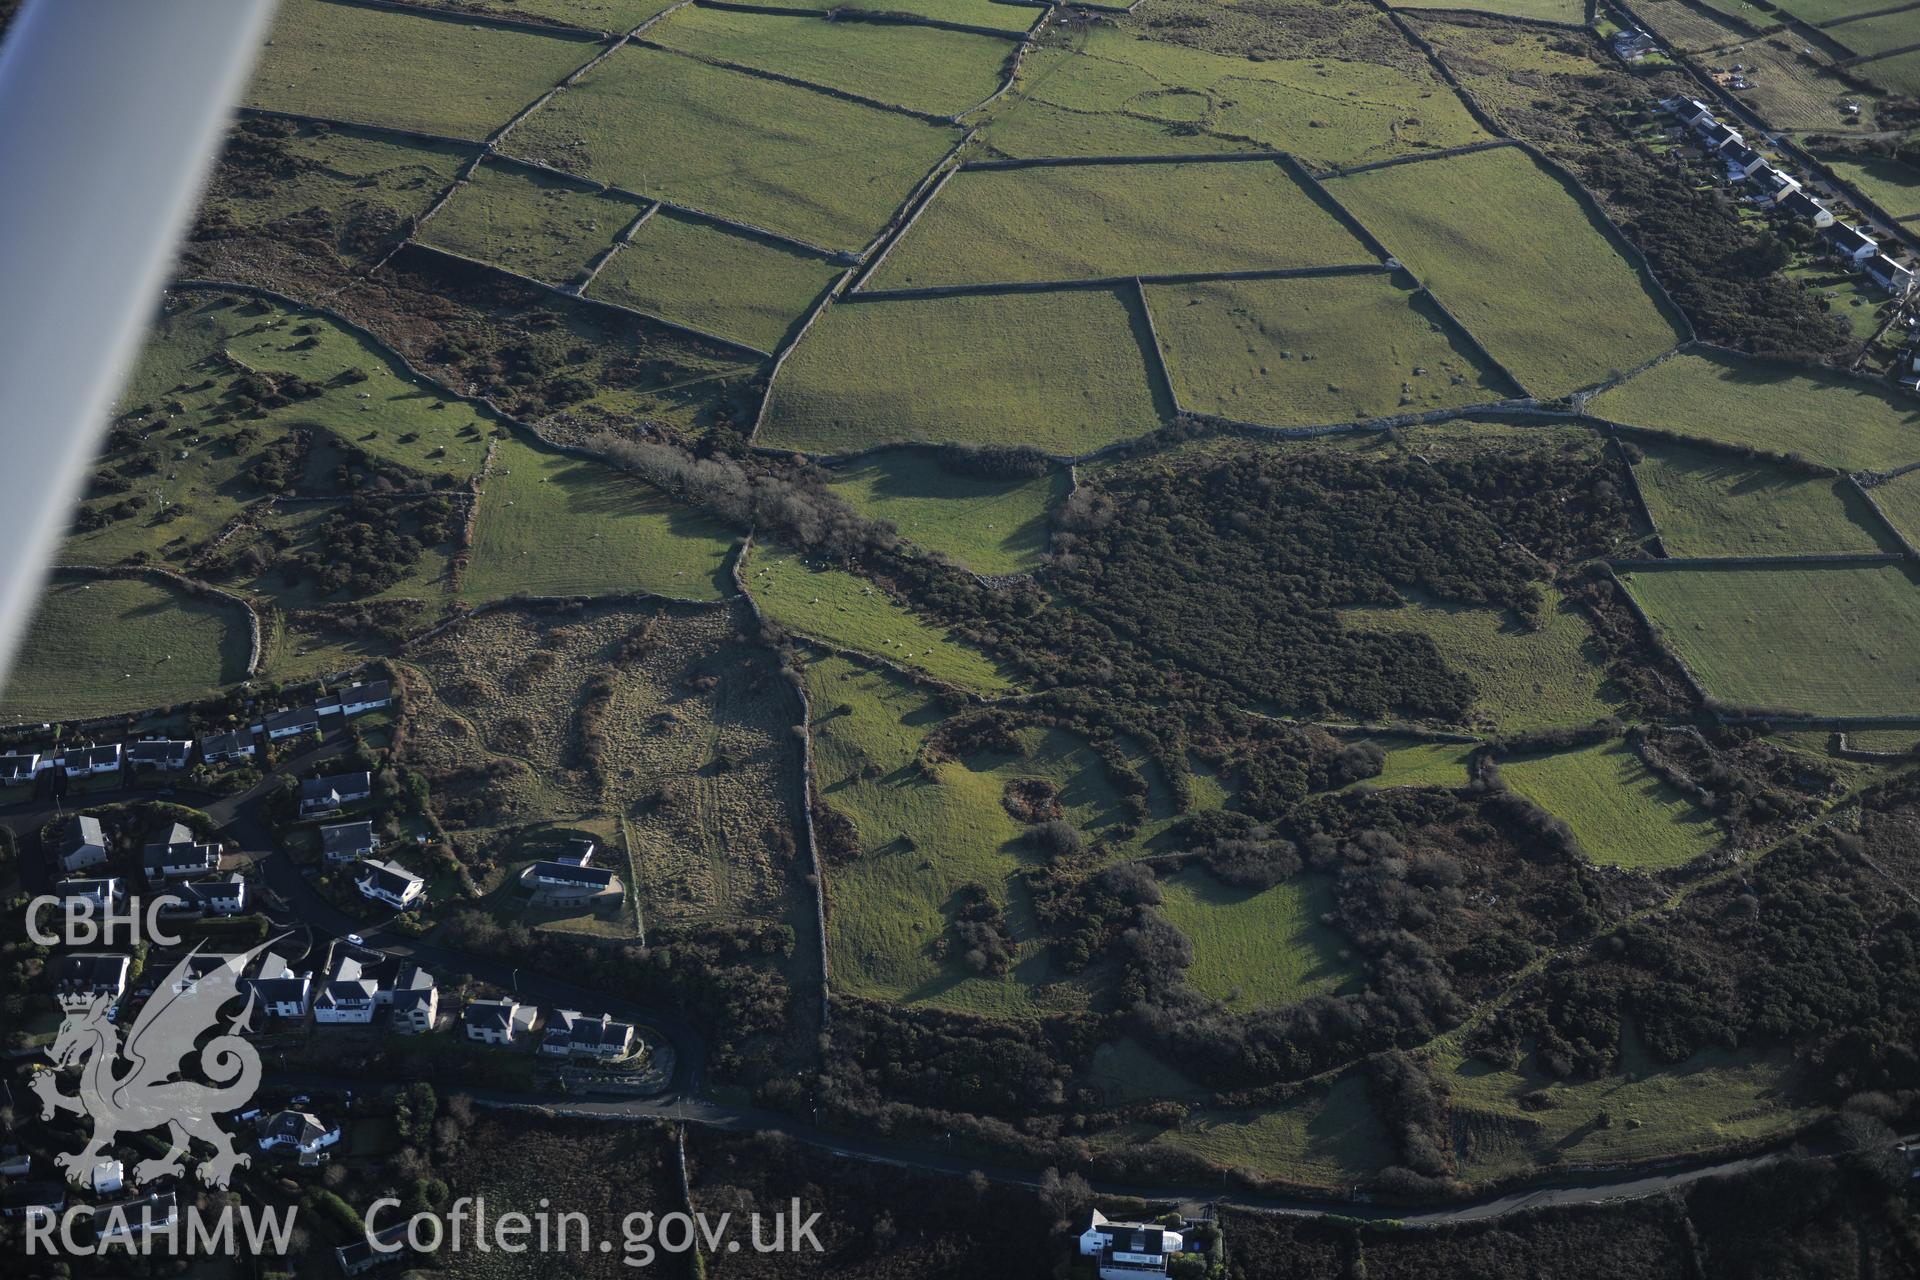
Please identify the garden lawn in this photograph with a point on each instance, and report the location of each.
(1838, 422)
(849, 612)
(1255, 949)
(1309, 351)
(1893, 186)
(1521, 261)
(707, 277)
(436, 75)
(103, 645)
(805, 164)
(1623, 813)
(548, 228)
(990, 525)
(1064, 372)
(923, 833)
(1707, 503)
(918, 67)
(1821, 640)
(552, 524)
(1076, 222)
(1108, 93)
(1523, 679)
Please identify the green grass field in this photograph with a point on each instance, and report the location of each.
(1880, 34)
(1523, 679)
(923, 833)
(102, 645)
(1900, 499)
(1520, 261)
(1713, 504)
(1623, 814)
(848, 612)
(1329, 1138)
(1110, 93)
(991, 14)
(1412, 763)
(1713, 1100)
(1256, 949)
(1568, 11)
(991, 526)
(1893, 186)
(805, 164)
(1127, 1071)
(978, 369)
(436, 75)
(1711, 396)
(554, 524)
(715, 280)
(543, 227)
(1320, 350)
(917, 67)
(1819, 11)
(1898, 74)
(1829, 641)
(1077, 222)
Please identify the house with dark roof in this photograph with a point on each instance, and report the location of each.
(178, 856)
(387, 1245)
(85, 976)
(83, 843)
(357, 698)
(1716, 136)
(1633, 44)
(221, 896)
(167, 754)
(346, 841)
(1741, 160)
(568, 877)
(221, 748)
(299, 1131)
(350, 995)
(1125, 1250)
(1799, 204)
(126, 1221)
(1772, 185)
(496, 1021)
(416, 1000)
(279, 992)
(98, 894)
(90, 761)
(389, 882)
(1688, 111)
(333, 793)
(1851, 245)
(35, 1200)
(291, 724)
(602, 1038)
(1890, 275)
(20, 766)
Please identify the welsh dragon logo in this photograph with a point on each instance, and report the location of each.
(147, 1094)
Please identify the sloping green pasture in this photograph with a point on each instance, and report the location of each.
(989, 525)
(548, 228)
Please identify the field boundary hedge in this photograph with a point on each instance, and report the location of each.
(1907, 548)
(922, 200)
(1156, 352)
(482, 17)
(1659, 641)
(1450, 12)
(1639, 495)
(816, 872)
(1441, 69)
(1113, 282)
(387, 130)
(1421, 157)
(880, 17)
(1493, 362)
(780, 77)
(620, 242)
(1808, 560)
(780, 360)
